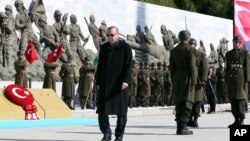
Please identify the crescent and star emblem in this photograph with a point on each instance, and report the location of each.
(14, 91)
(29, 51)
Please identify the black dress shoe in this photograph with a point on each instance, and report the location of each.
(118, 139)
(106, 138)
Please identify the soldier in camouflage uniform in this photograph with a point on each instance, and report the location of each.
(167, 96)
(237, 78)
(21, 73)
(85, 84)
(68, 76)
(133, 86)
(153, 97)
(202, 69)
(145, 88)
(184, 75)
(159, 83)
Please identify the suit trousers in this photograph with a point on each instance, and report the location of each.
(104, 125)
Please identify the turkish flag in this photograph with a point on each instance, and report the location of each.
(55, 54)
(30, 53)
(242, 21)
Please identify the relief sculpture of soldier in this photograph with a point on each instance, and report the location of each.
(48, 36)
(8, 41)
(85, 84)
(50, 76)
(68, 76)
(21, 73)
(75, 38)
(62, 30)
(23, 22)
(94, 31)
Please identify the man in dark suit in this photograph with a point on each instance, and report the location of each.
(237, 78)
(113, 80)
(184, 75)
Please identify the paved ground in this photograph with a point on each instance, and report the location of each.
(213, 127)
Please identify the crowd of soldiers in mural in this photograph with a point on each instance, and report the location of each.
(151, 83)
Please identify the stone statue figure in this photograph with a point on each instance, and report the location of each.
(21, 72)
(50, 77)
(11, 23)
(24, 24)
(48, 36)
(167, 38)
(149, 37)
(103, 30)
(222, 49)
(94, 31)
(8, 41)
(202, 47)
(75, 38)
(212, 57)
(63, 31)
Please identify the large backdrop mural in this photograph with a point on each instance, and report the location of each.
(80, 27)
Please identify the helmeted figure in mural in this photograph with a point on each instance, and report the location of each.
(69, 78)
(50, 76)
(75, 38)
(85, 84)
(9, 41)
(103, 31)
(222, 49)
(63, 31)
(94, 31)
(167, 39)
(48, 36)
(202, 47)
(212, 57)
(21, 72)
(23, 22)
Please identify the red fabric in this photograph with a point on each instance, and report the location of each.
(55, 54)
(242, 20)
(30, 53)
(19, 95)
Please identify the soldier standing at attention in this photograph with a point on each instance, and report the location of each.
(237, 78)
(167, 86)
(202, 69)
(85, 84)
(68, 76)
(184, 75)
(21, 73)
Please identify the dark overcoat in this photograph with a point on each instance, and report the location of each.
(183, 72)
(114, 68)
(202, 69)
(237, 73)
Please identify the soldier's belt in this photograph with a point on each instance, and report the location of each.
(235, 66)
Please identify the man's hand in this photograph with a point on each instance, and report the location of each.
(124, 85)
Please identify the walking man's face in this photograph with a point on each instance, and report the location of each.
(112, 35)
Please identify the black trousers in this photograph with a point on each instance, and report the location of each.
(104, 125)
(211, 101)
(183, 111)
(238, 108)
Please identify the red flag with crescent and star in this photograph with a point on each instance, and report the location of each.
(55, 54)
(30, 53)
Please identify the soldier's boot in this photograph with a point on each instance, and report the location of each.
(195, 122)
(190, 122)
(184, 130)
(241, 121)
(236, 122)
